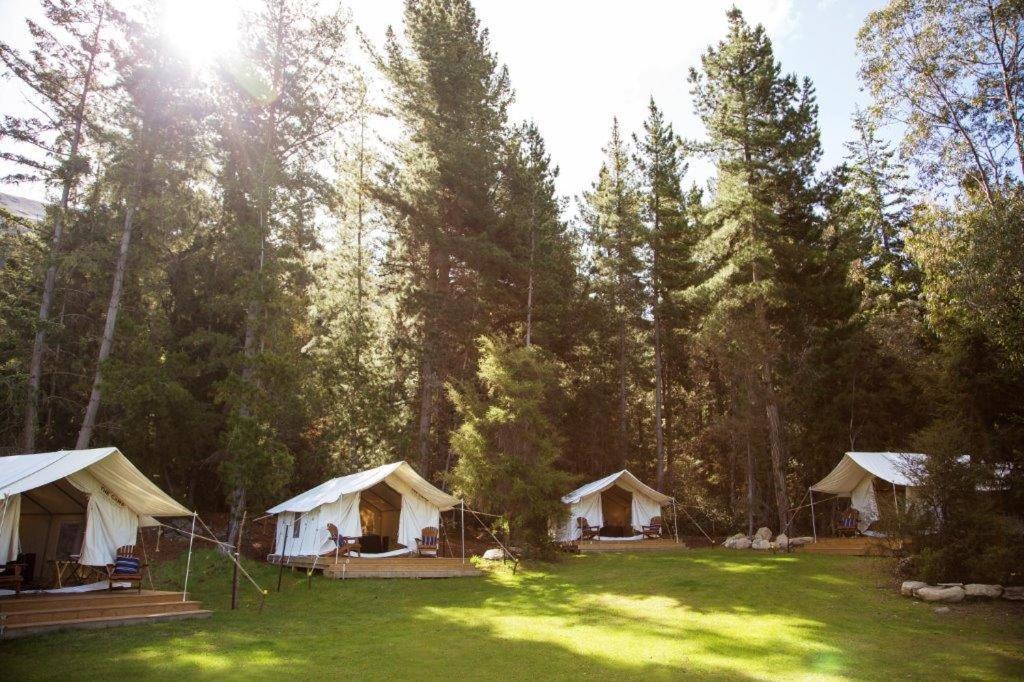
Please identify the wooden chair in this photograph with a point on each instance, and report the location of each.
(11, 578)
(343, 544)
(427, 545)
(128, 568)
(847, 526)
(587, 532)
(653, 529)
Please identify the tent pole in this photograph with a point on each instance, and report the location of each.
(462, 522)
(188, 562)
(284, 548)
(3, 517)
(814, 527)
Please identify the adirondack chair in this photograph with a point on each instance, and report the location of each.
(11, 578)
(587, 532)
(427, 545)
(127, 568)
(343, 545)
(848, 521)
(653, 529)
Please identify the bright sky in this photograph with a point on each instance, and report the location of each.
(577, 63)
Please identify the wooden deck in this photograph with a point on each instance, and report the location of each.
(660, 545)
(859, 546)
(394, 567)
(30, 614)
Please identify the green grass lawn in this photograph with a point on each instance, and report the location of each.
(712, 613)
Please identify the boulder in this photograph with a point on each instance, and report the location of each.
(742, 543)
(763, 533)
(730, 542)
(1013, 593)
(909, 588)
(949, 595)
(761, 543)
(802, 540)
(950, 584)
(782, 541)
(980, 591)
(494, 554)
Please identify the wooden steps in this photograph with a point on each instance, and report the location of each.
(37, 613)
(859, 546)
(660, 545)
(395, 567)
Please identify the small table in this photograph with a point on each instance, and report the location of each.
(65, 570)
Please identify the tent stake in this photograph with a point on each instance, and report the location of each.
(188, 562)
(814, 528)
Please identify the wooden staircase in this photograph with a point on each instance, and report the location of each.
(659, 545)
(859, 546)
(393, 567)
(30, 614)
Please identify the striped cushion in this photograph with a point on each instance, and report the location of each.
(126, 565)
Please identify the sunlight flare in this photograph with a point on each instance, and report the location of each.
(202, 31)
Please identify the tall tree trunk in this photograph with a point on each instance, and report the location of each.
(750, 487)
(659, 436)
(254, 308)
(771, 406)
(239, 493)
(623, 404)
(427, 381)
(359, 237)
(107, 341)
(35, 366)
(529, 286)
(777, 452)
(431, 377)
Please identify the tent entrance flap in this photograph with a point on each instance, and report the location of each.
(52, 523)
(380, 508)
(616, 507)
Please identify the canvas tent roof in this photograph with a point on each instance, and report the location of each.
(893, 467)
(332, 490)
(22, 473)
(623, 479)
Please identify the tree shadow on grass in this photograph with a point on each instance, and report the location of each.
(707, 612)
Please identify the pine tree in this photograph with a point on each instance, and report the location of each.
(763, 137)
(451, 96)
(154, 154)
(507, 443)
(662, 168)
(611, 212)
(541, 280)
(289, 90)
(877, 210)
(62, 73)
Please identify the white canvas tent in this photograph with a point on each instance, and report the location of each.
(855, 476)
(390, 500)
(620, 499)
(59, 499)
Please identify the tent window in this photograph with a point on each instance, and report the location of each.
(69, 540)
(296, 528)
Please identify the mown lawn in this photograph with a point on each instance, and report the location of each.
(707, 613)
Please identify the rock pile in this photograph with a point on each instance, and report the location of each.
(952, 593)
(762, 540)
